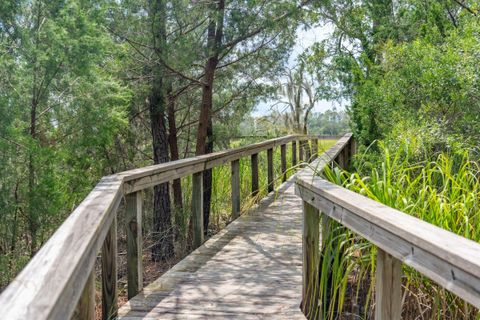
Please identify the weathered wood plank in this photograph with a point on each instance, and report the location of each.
(283, 156)
(63, 264)
(446, 258)
(388, 287)
(142, 178)
(311, 259)
(109, 273)
(294, 153)
(254, 164)
(301, 150)
(133, 222)
(308, 151)
(270, 181)
(314, 148)
(221, 279)
(235, 180)
(197, 209)
(86, 305)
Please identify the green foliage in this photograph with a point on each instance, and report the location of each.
(61, 111)
(442, 189)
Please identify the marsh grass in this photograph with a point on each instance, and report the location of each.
(443, 189)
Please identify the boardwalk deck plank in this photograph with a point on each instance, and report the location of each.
(250, 270)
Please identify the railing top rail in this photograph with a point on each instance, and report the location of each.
(52, 281)
(448, 259)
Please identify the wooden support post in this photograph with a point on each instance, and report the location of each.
(311, 259)
(254, 163)
(197, 209)
(86, 305)
(308, 152)
(235, 165)
(294, 153)
(283, 155)
(388, 287)
(133, 222)
(271, 185)
(301, 147)
(314, 149)
(109, 273)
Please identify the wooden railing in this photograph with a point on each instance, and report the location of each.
(446, 258)
(59, 282)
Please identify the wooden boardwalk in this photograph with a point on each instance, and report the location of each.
(250, 270)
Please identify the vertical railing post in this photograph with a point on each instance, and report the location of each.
(109, 273)
(270, 182)
(301, 148)
(314, 148)
(311, 259)
(86, 305)
(388, 287)
(254, 163)
(197, 209)
(283, 156)
(308, 152)
(294, 153)
(235, 179)
(134, 243)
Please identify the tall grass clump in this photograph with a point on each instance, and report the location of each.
(442, 188)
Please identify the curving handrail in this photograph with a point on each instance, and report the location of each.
(448, 259)
(52, 283)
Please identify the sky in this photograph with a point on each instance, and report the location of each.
(305, 38)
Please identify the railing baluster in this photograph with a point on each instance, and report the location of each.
(109, 273)
(283, 155)
(86, 305)
(235, 165)
(197, 209)
(314, 149)
(308, 151)
(294, 153)
(133, 222)
(301, 148)
(311, 258)
(254, 163)
(388, 287)
(270, 182)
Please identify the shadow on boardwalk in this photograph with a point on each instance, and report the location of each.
(249, 270)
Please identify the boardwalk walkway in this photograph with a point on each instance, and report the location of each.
(250, 270)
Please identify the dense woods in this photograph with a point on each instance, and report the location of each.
(92, 88)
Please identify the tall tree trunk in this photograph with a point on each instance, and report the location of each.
(162, 221)
(173, 142)
(205, 125)
(32, 216)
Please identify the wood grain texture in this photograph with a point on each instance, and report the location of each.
(86, 305)
(314, 148)
(134, 202)
(235, 180)
(146, 177)
(301, 150)
(249, 270)
(283, 159)
(197, 209)
(388, 287)
(311, 258)
(308, 151)
(254, 164)
(63, 264)
(294, 153)
(446, 258)
(109, 274)
(270, 177)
